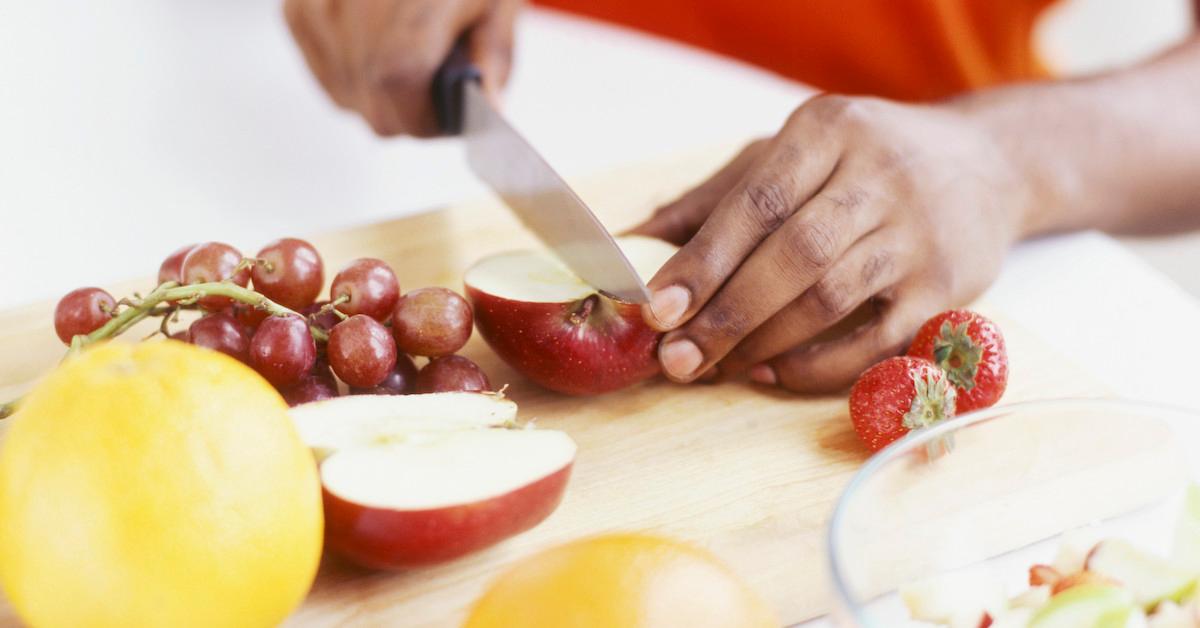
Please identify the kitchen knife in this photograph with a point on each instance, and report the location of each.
(506, 162)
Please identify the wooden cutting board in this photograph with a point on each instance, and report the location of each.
(747, 472)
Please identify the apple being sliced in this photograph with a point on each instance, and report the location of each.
(558, 331)
(1151, 579)
(411, 480)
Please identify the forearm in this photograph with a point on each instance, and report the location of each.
(1118, 152)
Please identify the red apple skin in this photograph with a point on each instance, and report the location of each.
(380, 538)
(587, 347)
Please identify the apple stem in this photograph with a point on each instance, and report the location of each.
(579, 316)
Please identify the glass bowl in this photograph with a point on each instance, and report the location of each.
(989, 494)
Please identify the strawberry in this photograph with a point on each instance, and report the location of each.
(896, 396)
(970, 348)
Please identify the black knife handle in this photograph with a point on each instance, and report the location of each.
(448, 85)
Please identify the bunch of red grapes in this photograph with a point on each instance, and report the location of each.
(366, 334)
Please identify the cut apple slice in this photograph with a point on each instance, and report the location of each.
(412, 480)
(1149, 578)
(362, 420)
(557, 330)
(440, 495)
(1095, 605)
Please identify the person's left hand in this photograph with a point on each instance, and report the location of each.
(910, 207)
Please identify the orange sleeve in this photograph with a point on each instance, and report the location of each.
(904, 49)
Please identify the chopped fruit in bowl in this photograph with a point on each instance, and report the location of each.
(1050, 514)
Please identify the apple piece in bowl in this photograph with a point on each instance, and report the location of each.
(560, 332)
(414, 480)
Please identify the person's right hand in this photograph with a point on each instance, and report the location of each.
(378, 57)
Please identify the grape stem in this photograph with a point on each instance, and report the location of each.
(157, 303)
(171, 291)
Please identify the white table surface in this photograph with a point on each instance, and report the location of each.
(128, 128)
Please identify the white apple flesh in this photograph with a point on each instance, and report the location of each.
(411, 480)
(367, 420)
(558, 331)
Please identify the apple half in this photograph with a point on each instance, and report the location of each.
(412, 480)
(560, 332)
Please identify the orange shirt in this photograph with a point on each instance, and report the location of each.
(904, 49)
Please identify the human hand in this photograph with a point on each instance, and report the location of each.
(909, 207)
(378, 57)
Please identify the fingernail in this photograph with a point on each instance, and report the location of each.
(680, 358)
(669, 304)
(763, 374)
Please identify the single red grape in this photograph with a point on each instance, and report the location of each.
(326, 320)
(452, 373)
(82, 312)
(431, 322)
(220, 331)
(290, 273)
(311, 388)
(170, 270)
(400, 381)
(317, 385)
(213, 261)
(361, 351)
(371, 287)
(282, 350)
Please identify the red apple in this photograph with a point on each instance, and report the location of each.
(412, 480)
(560, 332)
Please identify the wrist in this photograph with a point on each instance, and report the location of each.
(1045, 184)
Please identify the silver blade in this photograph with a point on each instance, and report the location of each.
(543, 201)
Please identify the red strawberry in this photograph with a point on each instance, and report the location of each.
(898, 395)
(970, 348)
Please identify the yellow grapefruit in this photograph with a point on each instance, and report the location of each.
(627, 580)
(156, 484)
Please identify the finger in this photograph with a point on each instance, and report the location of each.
(678, 221)
(312, 35)
(791, 170)
(833, 365)
(872, 265)
(394, 92)
(491, 46)
(792, 259)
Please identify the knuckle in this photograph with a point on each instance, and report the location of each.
(878, 266)
(833, 298)
(838, 110)
(401, 72)
(847, 197)
(767, 204)
(811, 245)
(723, 322)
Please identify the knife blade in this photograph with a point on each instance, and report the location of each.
(503, 159)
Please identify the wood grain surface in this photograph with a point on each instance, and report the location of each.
(747, 472)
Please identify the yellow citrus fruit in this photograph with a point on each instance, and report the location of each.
(626, 580)
(156, 484)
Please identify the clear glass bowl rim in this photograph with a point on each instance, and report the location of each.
(852, 610)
